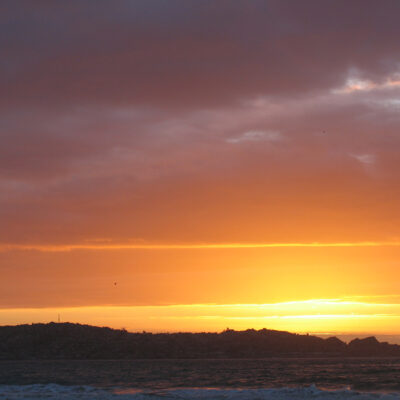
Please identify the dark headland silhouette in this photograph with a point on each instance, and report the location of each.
(75, 341)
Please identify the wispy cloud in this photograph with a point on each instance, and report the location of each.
(181, 246)
(256, 136)
(353, 85)
(366, 159)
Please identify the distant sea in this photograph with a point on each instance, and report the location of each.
(275, 378)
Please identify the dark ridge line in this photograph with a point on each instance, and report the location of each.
(76, 341)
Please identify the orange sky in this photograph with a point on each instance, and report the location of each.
(225, 163)
(304, 289)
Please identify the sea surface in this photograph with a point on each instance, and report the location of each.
(275, 378)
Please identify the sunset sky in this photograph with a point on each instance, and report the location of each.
(183, 165)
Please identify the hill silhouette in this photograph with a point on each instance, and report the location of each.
(75, 341)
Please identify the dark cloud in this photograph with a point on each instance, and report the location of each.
(179, 53)
(124, 119)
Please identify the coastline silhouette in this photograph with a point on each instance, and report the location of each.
(76, 341)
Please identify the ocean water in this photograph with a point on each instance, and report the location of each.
(284, 378)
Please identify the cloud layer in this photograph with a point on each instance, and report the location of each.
(154, 121)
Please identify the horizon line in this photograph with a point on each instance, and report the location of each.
(339, 333)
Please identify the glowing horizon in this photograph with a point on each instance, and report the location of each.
(303, 316)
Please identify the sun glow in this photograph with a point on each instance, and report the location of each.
(317, 315)
(298, 287)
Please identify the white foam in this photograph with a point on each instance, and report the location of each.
(60, 392)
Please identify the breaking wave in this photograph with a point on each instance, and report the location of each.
(61, 392)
